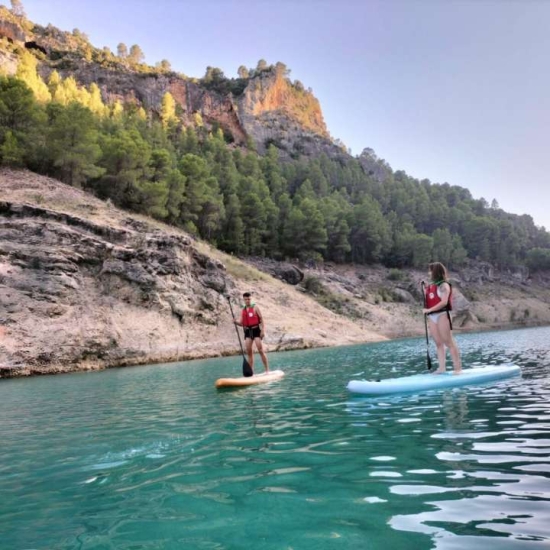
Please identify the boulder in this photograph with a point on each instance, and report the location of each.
(403, 295)
(288, 273)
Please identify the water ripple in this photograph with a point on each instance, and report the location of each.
(155, 458)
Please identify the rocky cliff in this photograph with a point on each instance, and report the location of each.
(267, 108)
(84, 285)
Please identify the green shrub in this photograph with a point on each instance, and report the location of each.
(313, 285)
(396, 274)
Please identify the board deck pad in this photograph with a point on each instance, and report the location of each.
(429, 381)
(250, 380)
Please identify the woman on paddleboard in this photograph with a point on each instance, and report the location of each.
(438, 304)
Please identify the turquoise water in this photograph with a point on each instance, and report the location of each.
(156, 458)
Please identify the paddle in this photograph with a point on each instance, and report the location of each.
(247, 369)
(428, 358)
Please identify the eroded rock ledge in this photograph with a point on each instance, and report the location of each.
(86, 286)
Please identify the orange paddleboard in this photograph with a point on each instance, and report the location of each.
(270, 376)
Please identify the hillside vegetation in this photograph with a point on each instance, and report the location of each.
(151, 160)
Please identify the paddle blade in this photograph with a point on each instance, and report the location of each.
(247, 369)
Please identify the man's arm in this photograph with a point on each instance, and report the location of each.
(237, 322)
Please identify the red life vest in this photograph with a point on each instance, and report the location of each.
(432, 299)
(249, 317)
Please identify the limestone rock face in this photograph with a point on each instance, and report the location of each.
(273, 110)
(270, 110)
(375, 167)
(78, 292)
(148, 90)
(12, 31)
(8, 62)
(84, 285)
(480, 272)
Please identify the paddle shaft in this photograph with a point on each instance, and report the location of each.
(428, 358)
(247, 369)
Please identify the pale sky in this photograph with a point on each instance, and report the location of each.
(455, 91)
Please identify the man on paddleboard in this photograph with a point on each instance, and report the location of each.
(252, 322)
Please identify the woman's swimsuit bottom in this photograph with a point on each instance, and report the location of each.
(435, 316)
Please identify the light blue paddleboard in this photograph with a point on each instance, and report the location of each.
(427, 381)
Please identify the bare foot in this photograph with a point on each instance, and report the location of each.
(438, 371)
(457, 371)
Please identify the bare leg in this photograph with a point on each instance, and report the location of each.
(447, 336)
(249, 352)
(440, 346)
(262, 353)
(455, 355)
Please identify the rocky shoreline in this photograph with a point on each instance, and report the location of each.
(85, 286)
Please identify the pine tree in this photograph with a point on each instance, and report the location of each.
(272, 172)
(232, 236)
(54, 82)
(136, 55)
(195, 170)
(254, 219)
(335, 211)
(72, 143)
(67, 91)
(458, 254)
(17, 8)
(12, 153)
(176, 195)
(164, 66)
(22, 122)
(294, 233)
(117, 109)
(95, 103)
(153, 198)
(369, 236)
(314, 233)
(122, 50)
(442, 246)
(26, 71)
(126, 159)
(141, 113)
(168, 109)
(338, 245)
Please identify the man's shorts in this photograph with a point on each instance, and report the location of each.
(252, 332)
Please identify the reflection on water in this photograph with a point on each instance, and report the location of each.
(156, 458)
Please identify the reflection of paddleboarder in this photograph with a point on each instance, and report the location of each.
(455, 408)
(254, 330)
